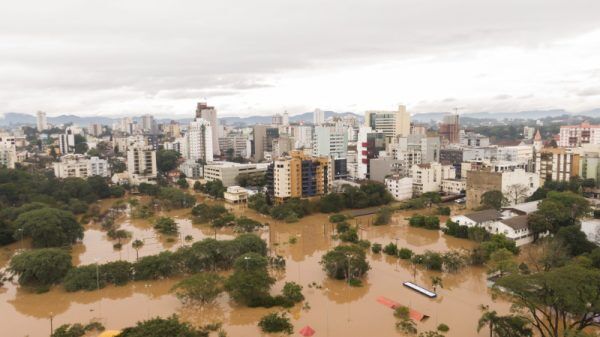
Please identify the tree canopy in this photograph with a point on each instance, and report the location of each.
(43, 267)
(49, 227)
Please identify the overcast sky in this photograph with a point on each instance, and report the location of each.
(250, 57)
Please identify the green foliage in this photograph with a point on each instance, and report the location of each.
(336, 218)
(166, 226)
(213, 188)
(350, 235)
(41, 267)
(443, 327)
(293, 208)
(116, 191)
(405, 253)
(502, 261)
(376, 248)
(276, 323)
(345, 262)
(246, 225)
(182, 183)
(174, 198)
(559, 209)
(200, 288)
(390, 249)
(384, 215)
(250, 282)
(445, 210)
(100, 186)
(293, 292)
(567, 294)
(203, 213)
(575, 240)
(76, 330)
(166, 160)
(430, 260)
(49, 227)
(496, 242)
(149, 189)
(90, 277)
(161, 327)
(424, 221)
(260, 203)
(251, 180)
(492, 199)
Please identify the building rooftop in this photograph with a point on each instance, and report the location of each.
(485, 215)
(516, 222)
(524, 208)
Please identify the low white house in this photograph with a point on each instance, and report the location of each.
(236, 194)
(454, 186)
(511, 221)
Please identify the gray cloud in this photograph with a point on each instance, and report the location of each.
(107, 52)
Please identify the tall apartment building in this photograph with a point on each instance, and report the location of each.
(263, 141)
(42, 122)
(172, 129)
(299, 176)
(577, 135)
(95, 129)
(369, 145)
(148, 124)
(277, 119)
(199, 140)
(141, 163)
(80, 166)
(318, 117)
(239, 143)
(286, 118)
(281, 146)
(303, 136)
(66, 141)
(556, 164)
(428, 177)
(330, 141)
(528, 132)
(209, 113)
(391, 123)
(450, 129)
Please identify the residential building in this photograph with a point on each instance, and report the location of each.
(487, 153)
(556, 164)
(401, 188)
(390, 123)
(318, 117)
(209, 114)
(428, 177)
(299, 176)
(449, 129)
(235, 195)
(227, 172)
(66, 141)
(577, 135)
(285, 119)
(173, 130)
(384, 166)
(192, 169)
(263, 141)
(518, 153)
(330, 141)
(418, 129)
(515, 185)
(199, 140)
(239, 143)
(474, 139)
(454, 157)
(148, 124)
(454, 186)
(95, 129)
(303, 136)
(528, 132)
(141, 163)
(80, 166)
(281, 146)
(369, 145)
(41, 121)
(8, 155)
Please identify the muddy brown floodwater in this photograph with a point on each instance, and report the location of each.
(334, 308)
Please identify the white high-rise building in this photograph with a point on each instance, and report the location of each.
(303, 135)
(80, 166)
(318, 117)
(199, 140)
(42, 122)
(277, 119)
(141, 163)
(210, 114)
(8, 155)
(66, 141)
(148, 124)
(391, 123)
(286, 118)
(330, 141)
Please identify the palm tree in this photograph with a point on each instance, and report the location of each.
(137, 244)
(435, 282)
(489, 318)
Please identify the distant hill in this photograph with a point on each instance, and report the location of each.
(15, 119)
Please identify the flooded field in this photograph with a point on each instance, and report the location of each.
(333, 308)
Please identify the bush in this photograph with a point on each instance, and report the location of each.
(342, 227)
(390, 249)
(405, 253)
(276, 323)
(246, 225)
(351, 235)
(161, 327)
(76, 330)
(41, 267)
(376, 248)
(201, 288)
(155, 267)
(203, 213)
(293, 292)
(454, 229)
(443, 210)
(337, 218)
(424, 221)
(250, 282)
(165, 225)
(443, 327)
(384, 215)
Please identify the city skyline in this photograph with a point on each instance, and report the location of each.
(263, 57)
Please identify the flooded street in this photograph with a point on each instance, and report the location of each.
(333, 308)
